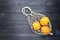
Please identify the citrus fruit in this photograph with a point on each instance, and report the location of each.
(45, 30)
(44, 20)
(36, 25)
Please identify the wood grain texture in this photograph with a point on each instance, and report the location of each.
(14, 25)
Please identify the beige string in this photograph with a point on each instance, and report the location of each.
(31, 18)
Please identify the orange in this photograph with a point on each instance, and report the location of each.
(44, 20)
(45, 30)
(36, 25)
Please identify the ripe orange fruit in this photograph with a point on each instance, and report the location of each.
(36, 25)
(45, 30)
(44, 20)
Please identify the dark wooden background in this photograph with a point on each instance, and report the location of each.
(14, 25)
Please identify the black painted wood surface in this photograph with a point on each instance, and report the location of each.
(14, 25)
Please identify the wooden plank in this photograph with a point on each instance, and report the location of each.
(14, 25)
